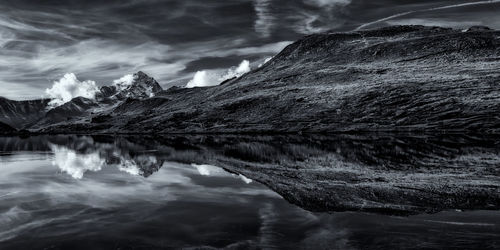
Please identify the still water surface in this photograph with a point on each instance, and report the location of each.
(60, 193)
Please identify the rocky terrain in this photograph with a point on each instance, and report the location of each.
(402, 78)
(391, 174)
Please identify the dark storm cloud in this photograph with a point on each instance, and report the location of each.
(102, 40)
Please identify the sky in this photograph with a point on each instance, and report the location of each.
(176, 41)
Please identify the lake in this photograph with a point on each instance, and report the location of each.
(249, 192)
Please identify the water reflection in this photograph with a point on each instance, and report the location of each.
(209, 170)
(94, 159)
(99, 192)
(76, 164)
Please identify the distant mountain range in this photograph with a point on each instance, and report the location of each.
(37, 114)
(401, 78)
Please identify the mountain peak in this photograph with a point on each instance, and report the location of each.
(138, 85)
(142, 79)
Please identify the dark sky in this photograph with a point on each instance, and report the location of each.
(171, 40)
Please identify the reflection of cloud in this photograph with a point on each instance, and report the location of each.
(129, 167)
(268, 218)
(245, 179)
(210, 170)
(76, 164)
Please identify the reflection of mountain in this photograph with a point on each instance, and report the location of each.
(376, 173)
(76, 155)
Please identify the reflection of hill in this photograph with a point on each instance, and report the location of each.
(377, 173)
(77, 154)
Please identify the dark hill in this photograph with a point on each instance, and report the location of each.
(20, 114)
(403, 78)
(6, 129)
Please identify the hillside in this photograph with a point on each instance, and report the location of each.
(6, 129)
(20, 114)
(402, 78)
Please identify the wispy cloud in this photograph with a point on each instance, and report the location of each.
(265, 20)
(366, 25)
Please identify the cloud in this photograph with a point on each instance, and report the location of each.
(100, 60)
(265, 20)
(328, 3)
(445, 7)
(434, 22)
(265, 61)
(207, 78)
(203, 79)
(69, 87)
(243, 68)
(124, 82)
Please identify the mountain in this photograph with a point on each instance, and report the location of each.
(19, 114)
(36, 114)
(6, 129)
(142, 86)
(401, 78)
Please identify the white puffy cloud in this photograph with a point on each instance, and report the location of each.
(243, 68)
(69, 87)
(203, 78)
(207, 78)
(265, 61)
